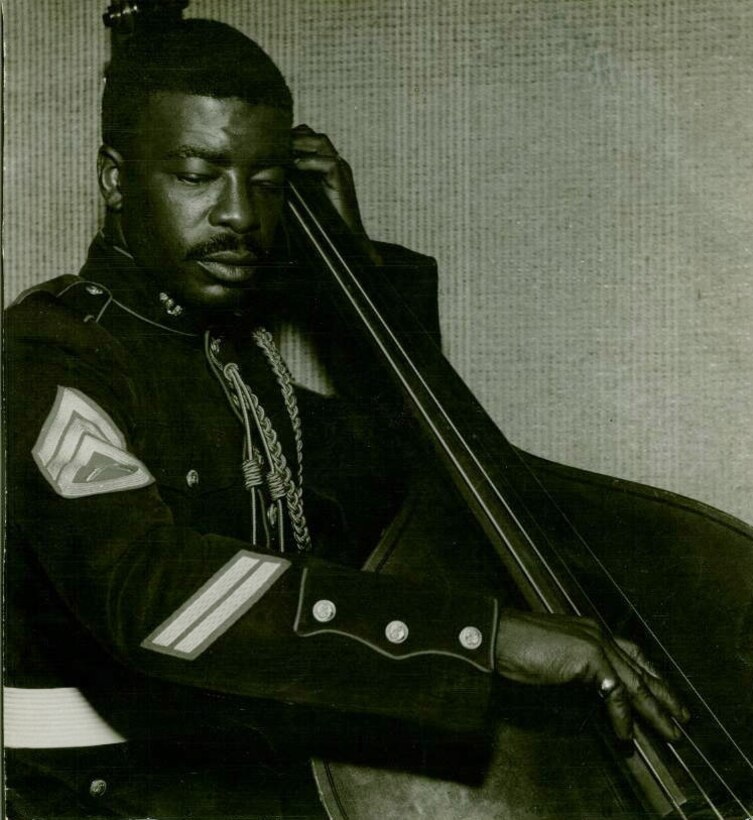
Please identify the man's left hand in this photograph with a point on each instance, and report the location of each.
(314, 153)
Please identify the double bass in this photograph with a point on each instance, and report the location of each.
(653, 564)
(647, 563)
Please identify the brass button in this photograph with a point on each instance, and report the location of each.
(396, 632)
(192, 478)
(470, 637)
(171, 308)
(94, 290)
(97, 787)
(324, 611)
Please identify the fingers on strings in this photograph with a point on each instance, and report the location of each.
(638, 689)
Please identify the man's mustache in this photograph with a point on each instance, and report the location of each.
(229, 242)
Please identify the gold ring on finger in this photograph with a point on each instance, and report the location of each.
(608, 687)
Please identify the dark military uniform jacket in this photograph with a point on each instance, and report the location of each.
(138, 607)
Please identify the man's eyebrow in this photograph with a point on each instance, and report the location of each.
(188, 151)
(198, 152)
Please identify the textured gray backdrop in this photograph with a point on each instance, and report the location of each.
(582, 169)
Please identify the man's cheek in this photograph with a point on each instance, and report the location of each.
(272, 230)
(168, 228)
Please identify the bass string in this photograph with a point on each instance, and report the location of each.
(700, 788)
(368, 323)
(735, 797)
(665, 788)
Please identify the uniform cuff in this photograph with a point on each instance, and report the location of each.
(397, 619)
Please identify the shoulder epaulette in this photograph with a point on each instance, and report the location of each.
(86, 298)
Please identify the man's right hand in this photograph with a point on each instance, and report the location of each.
(538, 648)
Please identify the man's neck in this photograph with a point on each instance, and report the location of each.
(112, 231)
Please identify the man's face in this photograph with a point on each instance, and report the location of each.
(203, 194)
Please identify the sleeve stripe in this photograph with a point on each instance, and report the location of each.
(217, 605)
(215, 589)
(230, 606)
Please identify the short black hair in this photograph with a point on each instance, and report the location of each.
(193, 56)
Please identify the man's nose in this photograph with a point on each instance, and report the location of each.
(236, 207)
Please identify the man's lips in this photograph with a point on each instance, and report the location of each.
(230, 267)
(232, 257)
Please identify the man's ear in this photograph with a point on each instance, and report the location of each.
(110, 175)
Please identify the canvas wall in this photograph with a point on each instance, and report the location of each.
(581, 169)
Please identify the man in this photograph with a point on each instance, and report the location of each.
(187, 617)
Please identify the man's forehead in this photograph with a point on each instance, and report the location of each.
(174, 123)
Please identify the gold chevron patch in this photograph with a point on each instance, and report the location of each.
(81, 452)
